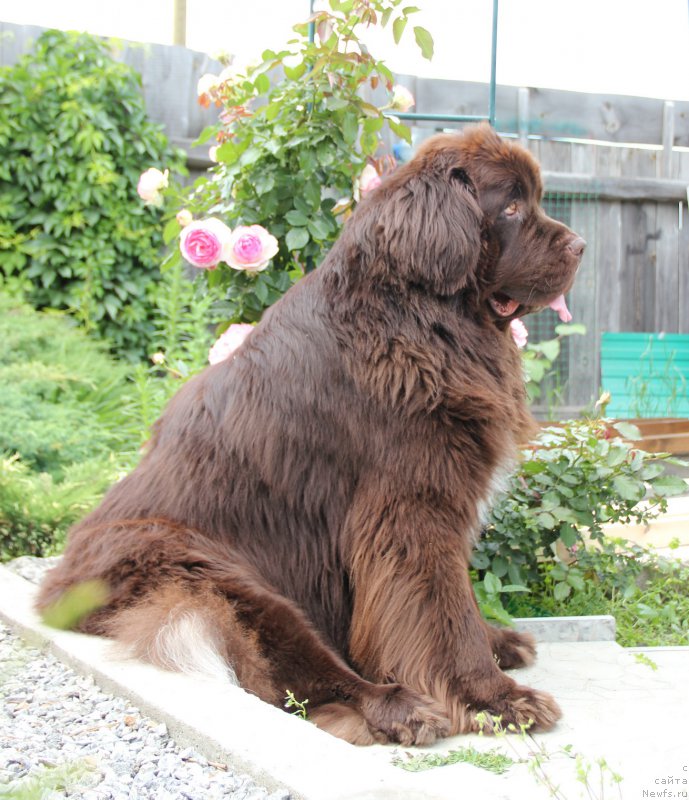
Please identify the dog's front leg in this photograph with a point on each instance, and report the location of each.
(415, 618)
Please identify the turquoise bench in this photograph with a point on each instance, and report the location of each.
(647, 374)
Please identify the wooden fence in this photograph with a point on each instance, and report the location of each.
(624, 189)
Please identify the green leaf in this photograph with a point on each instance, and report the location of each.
(205, 135)
(318, 229)
(171, 230)
(326, 154)
(669, 485)
(250, 156)
(369, 110)
(399, 128)
(335, 103)
(628, 488)
(499, 566)
(546, 520)
(374, 124)
(369, 143)
(570, 329)
(227, 152)
(480, 560)
(575, 580)
(271, 111)
(628, 431)
(264, 182)
(492, 583)
(650, 471)
(568, 535)
(262, 83)
(296, 218)
(616, 456)
(425, 42)
(531, 467)
(562, 590)
(294, 73)
(550, 349)
(312, 193)
(350, 128)
(307, 161)
(398, 27)
(261, 289)
(297, 238)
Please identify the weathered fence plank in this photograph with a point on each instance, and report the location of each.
(667, 268)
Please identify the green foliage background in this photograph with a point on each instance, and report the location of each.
(74, 138)
(295, 133)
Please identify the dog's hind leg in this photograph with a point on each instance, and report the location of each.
(186, 602)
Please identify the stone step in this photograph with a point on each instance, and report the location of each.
(616, 706)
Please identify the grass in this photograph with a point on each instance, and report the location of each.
(653, 612)
(492, 760)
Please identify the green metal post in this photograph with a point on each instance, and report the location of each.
(312, 25)
(493, 64)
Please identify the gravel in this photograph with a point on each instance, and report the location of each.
(61, 736)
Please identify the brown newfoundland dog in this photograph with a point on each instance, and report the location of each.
(304, 515)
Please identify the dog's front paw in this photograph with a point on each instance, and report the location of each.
(399, 715)
(512, 649)
(521, 706)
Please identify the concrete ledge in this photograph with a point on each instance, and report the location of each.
(227, 724)
(568, 629)
(611, 704)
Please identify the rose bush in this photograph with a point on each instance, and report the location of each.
(295, 147)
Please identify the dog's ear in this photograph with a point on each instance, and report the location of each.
(429, 228)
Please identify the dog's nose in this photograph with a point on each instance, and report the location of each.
(577, 246)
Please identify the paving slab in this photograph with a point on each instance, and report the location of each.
(616, 706)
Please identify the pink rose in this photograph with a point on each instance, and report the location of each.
(229, 342)
(151, 183)
(402, 99)
(519, 332)
(202, 243)
(368, 180)
(560, 306)
(250, 248)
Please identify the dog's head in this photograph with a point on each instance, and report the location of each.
(464, 214)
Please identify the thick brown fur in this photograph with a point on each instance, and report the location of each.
(306, 510)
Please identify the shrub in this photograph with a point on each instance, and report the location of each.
(647, 594)
(62, 395)
(74, 417)
(74, 137)
(36, 510)
(295, 135)
(572, 481)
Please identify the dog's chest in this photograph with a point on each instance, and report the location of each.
(497, 484)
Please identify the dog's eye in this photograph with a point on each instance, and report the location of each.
(511, 209)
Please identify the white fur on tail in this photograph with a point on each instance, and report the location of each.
(185, 644)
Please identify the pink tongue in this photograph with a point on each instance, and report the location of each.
(560, 306)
